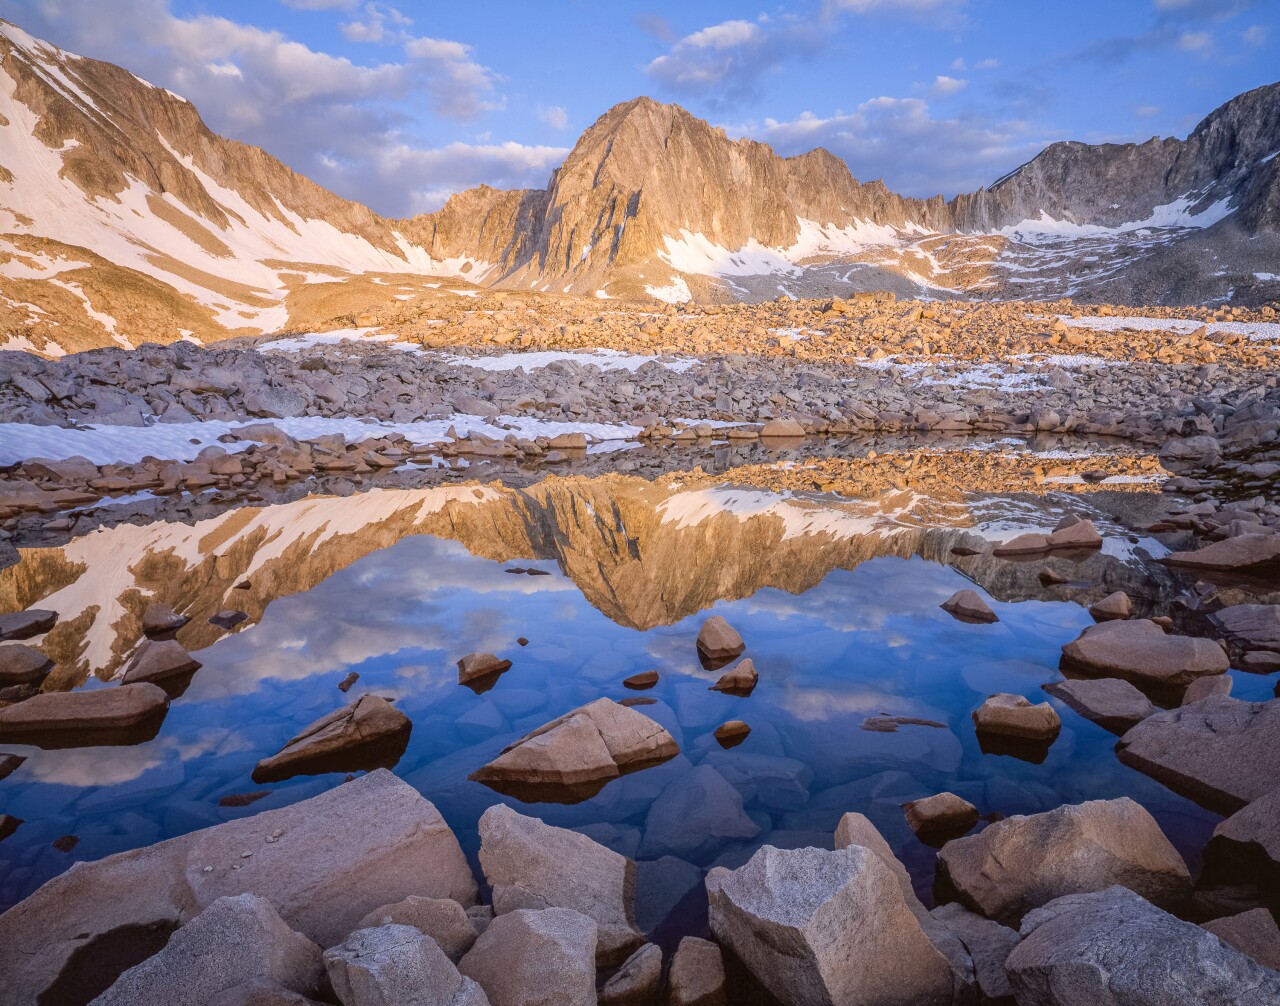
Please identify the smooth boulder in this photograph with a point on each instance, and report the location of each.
(480, 667)
(1112, 703)
(324, 863)
(818, 928)
(697, 974)
(236, 941)
(536, 958)
(85, 717)
(1114, 606)
(25, 624)
(159, 660)
(1025, 861)
(942, 813)
(444, 920)
(1250, 838)
(968, 606)
(1253, 933)
(1251, 553)
(740, 679)
(1220, 751)
(395, 965)
(573, 756)
(1015, 716)
(369, 733)
(1139, 650)
(22, 665)
(531, 864)
(718, 641)
(693, 814)
(1114, 947)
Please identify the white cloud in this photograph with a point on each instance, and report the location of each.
(900, 141)
(1194, 41)
(1255, 35)
(724, 63)
(429, 177)
(1147, 111)
(320, 4)
(944, 87)
(553, 116)
(990, 63)
(913, 6)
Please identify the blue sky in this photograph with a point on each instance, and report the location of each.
(398, 104)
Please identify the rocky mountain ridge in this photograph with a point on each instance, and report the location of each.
(124, 219)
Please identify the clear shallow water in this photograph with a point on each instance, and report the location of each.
(864, 641)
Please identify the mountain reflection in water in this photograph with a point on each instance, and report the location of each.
(837, 601)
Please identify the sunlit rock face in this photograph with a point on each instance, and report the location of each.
(643, 553)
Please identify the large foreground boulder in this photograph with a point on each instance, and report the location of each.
(1023, 862)
(1250, 626)
(1220, 751)
(236, 941)
(25, 624)
(575, 755)
(536, 958)
(369, 733)
(159, 660)
(818, 928)
(120, 714)
(535, 865)
(396, 966)
(22, 665)
(1250, 838)
(324, 863)
(1113, 947)
(1140, 651)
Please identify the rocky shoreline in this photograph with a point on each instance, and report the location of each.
(363, 895)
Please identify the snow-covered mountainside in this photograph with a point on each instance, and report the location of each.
(123, 219)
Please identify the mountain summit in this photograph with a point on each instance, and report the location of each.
(123, 218)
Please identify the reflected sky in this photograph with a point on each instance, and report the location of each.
(867, 641)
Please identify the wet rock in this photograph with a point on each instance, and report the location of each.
(1249, 839)
(573, 756)
(1253, 933)
(1250, 626)
(160, 621)
(237, 940)
(536, 958)
(740, 679)
(781, 428)
(1252, 553)
(334, 858)
(1006, 715)
(817, 927)
(968, 606)
(65, 843)
(345, 684)
(941, 814)
(394, 965)
(95, 716)
(636, 982)
(643, 680)
(530, 864)
(479, 666)
(1111, 703)
(1114, 947)
(159, 660)
(697, 974)
(1219, 751)
(1023, 862)
(228, 619)
(1140, 651)
(732, 733)
(693, 814)
(444, 920)
(25, 624)
(1112, 607)
(718, 642)
(22, 665)
(988, 944)
(1031, 543)
(8, 825)
(9, 763)
(1204, 688)
(1077, 534)
(369, 733)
